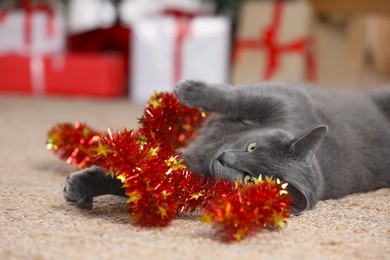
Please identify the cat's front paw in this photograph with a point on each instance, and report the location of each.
(77, 192)
(192, 93)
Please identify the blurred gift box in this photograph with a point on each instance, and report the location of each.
(38, 29)
(166, 49)
(96, 75)
(273, 42)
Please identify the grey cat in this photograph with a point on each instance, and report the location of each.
(323, 143)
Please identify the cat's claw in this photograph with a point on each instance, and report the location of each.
(77, 193)
(191, 93)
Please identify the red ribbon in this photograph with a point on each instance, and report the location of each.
(37, 66)
(177, 13)
(183, 27)
(29, 10)
(182, 31)
(3, 15)
(268, 41)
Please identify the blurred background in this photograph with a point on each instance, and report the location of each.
(130, 48)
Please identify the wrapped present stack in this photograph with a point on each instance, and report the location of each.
(104, 48)
(34, 57)
(112, 48)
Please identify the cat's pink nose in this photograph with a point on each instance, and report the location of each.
(227, 158)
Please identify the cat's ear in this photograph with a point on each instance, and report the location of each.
(308, 143)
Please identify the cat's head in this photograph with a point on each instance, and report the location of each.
(274, 152)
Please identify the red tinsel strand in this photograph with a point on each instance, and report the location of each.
(140, 164)
(193, 190)
(249, 209)
(172, 125)
(169, 122)
(119, 153)
(152, 199)
(190, 190)
(75, 143)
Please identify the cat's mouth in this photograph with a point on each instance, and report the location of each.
(299, 199)
(298, 192)
(249, 179)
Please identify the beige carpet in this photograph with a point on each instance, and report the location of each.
(36, 223)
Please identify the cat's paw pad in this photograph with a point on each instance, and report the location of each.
(76, 191)
(191, 93)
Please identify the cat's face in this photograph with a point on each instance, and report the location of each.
(243, 155)
(267, 153)
(250, 154)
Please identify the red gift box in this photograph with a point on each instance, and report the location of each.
(98, 75)
(115, 39)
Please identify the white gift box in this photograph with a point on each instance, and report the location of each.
(86, 15)
(166, 49)
(35, 32)
(131, 10)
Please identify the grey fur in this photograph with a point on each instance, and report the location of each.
(324, 143)
(81, 187)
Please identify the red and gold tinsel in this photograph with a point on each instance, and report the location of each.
(249, 209)
(167, 121)
(140, 165)
(156, 178)
(74, 143)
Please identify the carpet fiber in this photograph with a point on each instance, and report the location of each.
(36, 223)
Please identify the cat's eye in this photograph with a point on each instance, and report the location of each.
(247, 122)
(251, 147)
